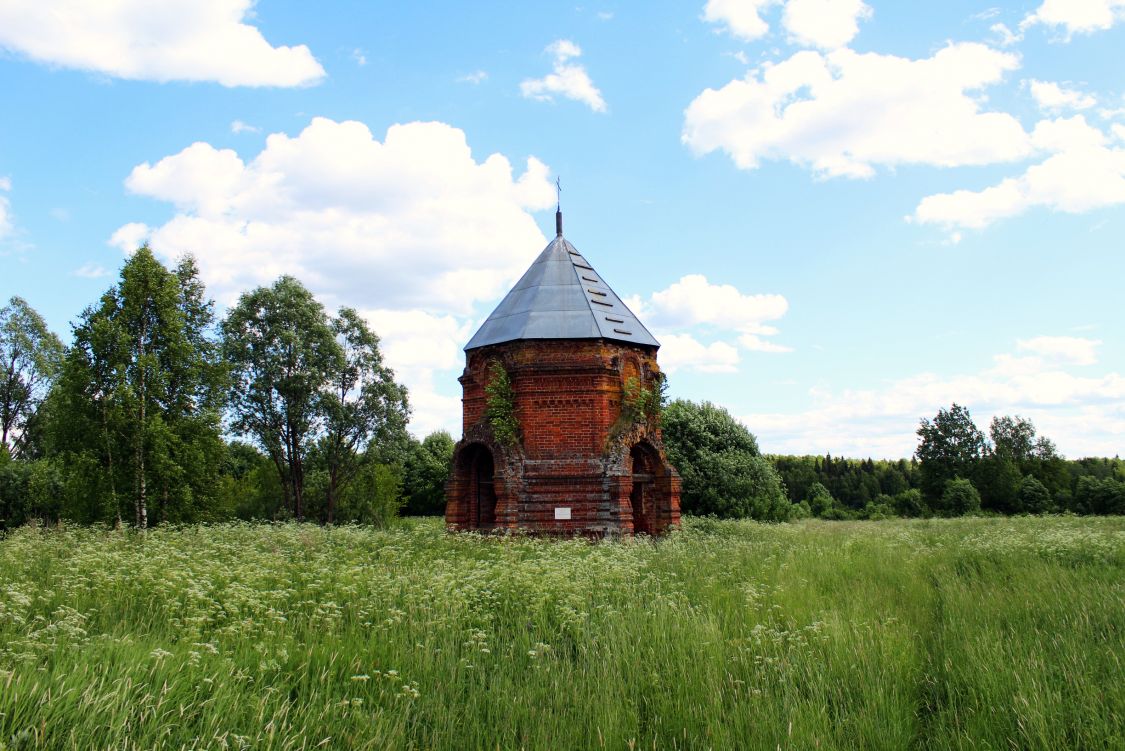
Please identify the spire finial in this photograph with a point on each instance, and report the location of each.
(558, 207)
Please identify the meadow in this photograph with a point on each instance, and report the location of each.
(931, 634)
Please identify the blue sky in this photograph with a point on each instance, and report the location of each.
(837, 216)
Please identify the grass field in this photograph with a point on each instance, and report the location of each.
(972, 633)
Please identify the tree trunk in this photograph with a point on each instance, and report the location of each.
(331, 499)
(298, 489)
(142, 508)
(109, 461)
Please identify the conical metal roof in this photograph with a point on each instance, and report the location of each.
(561, 297)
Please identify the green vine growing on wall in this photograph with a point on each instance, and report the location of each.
(500, 405)
(640, 404)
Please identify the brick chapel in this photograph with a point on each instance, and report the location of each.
(557, 437)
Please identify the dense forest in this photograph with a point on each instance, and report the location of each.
(159, 411)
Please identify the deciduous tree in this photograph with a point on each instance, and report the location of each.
(30, 356)
(282, 351)
(361, 403)
(949, 446)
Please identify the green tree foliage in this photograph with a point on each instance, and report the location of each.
(314, 393)
(1033, 496)
(1099, 496)
(282, 351)
(249, 487)
(958, 498)
(853, 483)
(718, 459)
(136, 409)
(425, 472)
(820, 501)
(30, 356)
(998, 477)
(949, 446)
(500, 405)
(29, 490)
(362, 403)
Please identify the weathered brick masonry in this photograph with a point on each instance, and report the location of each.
(579, 466)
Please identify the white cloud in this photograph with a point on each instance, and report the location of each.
(91, 271)
(1084, 415)
(756, 343)
(693, 306)
(1053, 97)
(742, 18)
(827, 24)
(844, 113)
(418, 345)
(413, 221)
(131, 236)
(174, 40)
(238, 126)
(693, 300)
(1074, 350)
(685, 352)
(1005, 36)
(412, 230)
(1082, 173)
(476, 77)
(1077, 16)
(359, 57)
(569, 79)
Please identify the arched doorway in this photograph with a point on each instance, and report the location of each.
(479, 473)
(645, 464)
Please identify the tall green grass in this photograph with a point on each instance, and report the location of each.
(975, 633)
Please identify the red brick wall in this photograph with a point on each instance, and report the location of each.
(567, 398)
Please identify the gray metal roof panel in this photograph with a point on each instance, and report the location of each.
(561, 297)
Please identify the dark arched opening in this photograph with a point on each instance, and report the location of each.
(643, 498)
(479, 474)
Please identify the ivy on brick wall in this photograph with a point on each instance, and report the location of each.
(640, 404)
(500, 405)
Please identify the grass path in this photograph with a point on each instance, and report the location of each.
(970, 633)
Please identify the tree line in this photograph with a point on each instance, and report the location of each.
(160, 412)
(956, 470)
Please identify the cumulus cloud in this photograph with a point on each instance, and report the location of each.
(685, 352)
(693, 307)
(844, 113)
(412, 221)
(412, 230)
(1074, 350)
(1053, 97)
(1083, 172)
(1083, 414)
(693, 300)
(418, 345)
(569, 79)
(1077, 16)
(742, 18)
(175, 40)
(827, 24)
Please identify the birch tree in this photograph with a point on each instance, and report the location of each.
(30, 356)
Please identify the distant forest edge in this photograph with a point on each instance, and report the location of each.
(133, 424)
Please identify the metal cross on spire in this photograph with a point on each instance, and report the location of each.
(558, 207)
